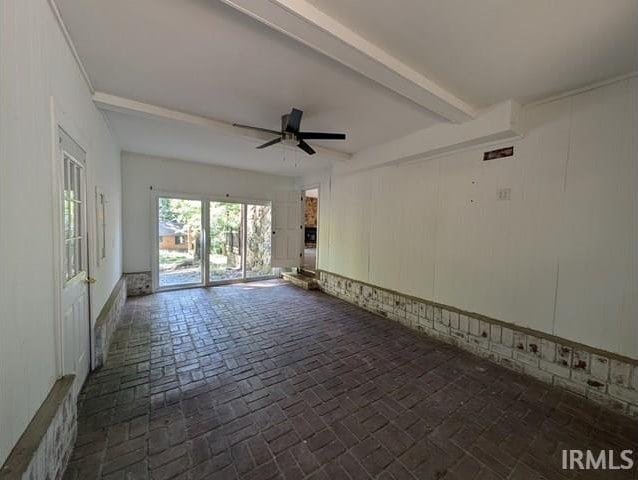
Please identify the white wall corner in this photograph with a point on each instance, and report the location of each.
(496, 123)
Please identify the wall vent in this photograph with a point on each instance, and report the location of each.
(498, 153)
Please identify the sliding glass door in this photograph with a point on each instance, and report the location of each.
(225, 249)
(204, 242)
(238, 241)
(258, 240)
(179, 232)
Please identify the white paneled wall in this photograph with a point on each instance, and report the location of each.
(350, 224)
(403, 211)
(35, 65)
(597, 277)
(559, 257)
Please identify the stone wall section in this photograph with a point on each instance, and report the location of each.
(139, 283)
(602, 377)
(44, 449)
(107, 322)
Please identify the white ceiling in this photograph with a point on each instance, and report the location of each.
(171, 139)
(489, 51)
(205, 58)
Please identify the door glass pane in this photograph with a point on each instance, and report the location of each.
(72, 205)
(180, 252)
(78, 255)
(258, 238)
(225, 254)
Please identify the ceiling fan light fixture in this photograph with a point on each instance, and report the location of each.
(289, 139)
(291, 136)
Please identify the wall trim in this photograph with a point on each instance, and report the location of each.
(69, 41)
(603, 377)
(583, 89)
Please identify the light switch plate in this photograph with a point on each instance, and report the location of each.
(504, 194)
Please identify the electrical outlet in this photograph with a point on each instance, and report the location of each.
(504, 194)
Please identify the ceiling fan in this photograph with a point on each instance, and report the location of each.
(290, 134)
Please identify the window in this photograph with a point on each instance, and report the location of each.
(179, 240)
(73, 228)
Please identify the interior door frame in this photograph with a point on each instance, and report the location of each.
(303, 215)
(60, 119)
(205, 199)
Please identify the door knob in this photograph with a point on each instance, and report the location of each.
(90, 280)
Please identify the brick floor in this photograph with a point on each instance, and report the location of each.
(265, 380)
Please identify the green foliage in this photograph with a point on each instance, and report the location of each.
(225, 229)
(225, 219)
(186, 213)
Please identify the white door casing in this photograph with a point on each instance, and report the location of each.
(74, 328)
(287, 229)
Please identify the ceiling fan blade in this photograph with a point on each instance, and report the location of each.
(272, 142)
(305, 147)
(294, 121)
(259, 129)
(322, 135)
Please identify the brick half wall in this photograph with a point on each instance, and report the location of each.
(107, 321)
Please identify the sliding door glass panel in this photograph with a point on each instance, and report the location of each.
(180, 242)
(258, 238)
(225, 251)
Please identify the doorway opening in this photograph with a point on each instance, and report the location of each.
(311, 230)
(235, 235)
(74, 330)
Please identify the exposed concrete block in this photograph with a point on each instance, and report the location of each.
(564, 355)
(454, 320)
(533, 346)
(607, 401)
(538, 374)
(548, 350)
(573, 387)
(619, 373)
(512, 364)
(464, 323)
(520, 341)
(481, 341)
(445, 317)
(599, 367)
(484, 329)
(474, 327)
(555, 369)
(441, 327)
(580, 360)
(527, 359)
(495, 333)
(582, 377)
(502, 350)
(507, 337)
(625, 394)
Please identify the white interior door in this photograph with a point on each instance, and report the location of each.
(75, 293)
(287, 229)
